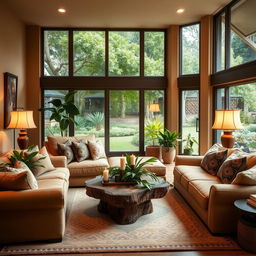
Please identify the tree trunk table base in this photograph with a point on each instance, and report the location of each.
(125, 203)
(126, 215)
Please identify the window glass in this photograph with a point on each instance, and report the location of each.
(154, 53)
(89, 53)
(92, 117)
(124, 120)
(55, 53)
(243, 32)
(190, 36)
(124, 53)
(190, 118)
(243, 97)
(154, 114)
(220, 42)
(51, 127)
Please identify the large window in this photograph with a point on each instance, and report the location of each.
(241, 97)
(190, 47)
(118, 75)
(235, 35)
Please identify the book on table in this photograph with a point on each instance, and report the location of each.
(251, 202)
(253, 197)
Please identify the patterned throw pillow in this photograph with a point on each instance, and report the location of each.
(214, 158)
(66, 150)
(80, 150)
(235, 163)
(97, 150)
(247, 177)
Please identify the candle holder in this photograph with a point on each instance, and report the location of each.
(106, 181)
(117, 178)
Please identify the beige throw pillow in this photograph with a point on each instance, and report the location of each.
(44, 165)
(96, 149)
(18, 178)
(247, 177)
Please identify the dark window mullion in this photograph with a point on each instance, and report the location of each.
(72, 125)
(141, 121)
(227, 37)
(107, 117)
(142, 47)
(106, 53)
(70, 53)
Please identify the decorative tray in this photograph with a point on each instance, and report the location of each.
(120, 183)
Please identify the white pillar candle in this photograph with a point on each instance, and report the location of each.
(122, 163)
(132, 157)
(105, 175)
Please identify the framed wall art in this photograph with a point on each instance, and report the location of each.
(10, 96)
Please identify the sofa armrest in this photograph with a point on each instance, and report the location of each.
(31, 199)
(222, 214)
(59, 161)
(188, 160)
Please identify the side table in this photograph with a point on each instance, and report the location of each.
(246, 227)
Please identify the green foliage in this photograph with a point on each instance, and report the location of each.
(152, 129)
(168, 138)
(26, 158)
(189, 142)
(96, 120)
(63, 111)
(136, 173)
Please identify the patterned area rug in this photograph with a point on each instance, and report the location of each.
(172, 226)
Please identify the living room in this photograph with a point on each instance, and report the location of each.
(117, 88)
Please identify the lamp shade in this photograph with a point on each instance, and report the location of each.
(227, 120)
(21, 120)
(154, 107)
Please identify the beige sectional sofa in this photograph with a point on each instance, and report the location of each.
(31, 215)
(212, 200)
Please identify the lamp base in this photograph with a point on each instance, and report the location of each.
(23, 139)
(227, 139)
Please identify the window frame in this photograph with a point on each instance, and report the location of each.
(229, 74)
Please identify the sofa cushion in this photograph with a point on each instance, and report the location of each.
(96, 149)
(156, 167)
(247, 177)
(200, 190)
(65, 149)
(81, 151)
(189, 173)
(54, 140)
(234, 164)
(88, 167)
(58, 173)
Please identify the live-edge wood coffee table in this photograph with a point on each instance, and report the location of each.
(125, 203)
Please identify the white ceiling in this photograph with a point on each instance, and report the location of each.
(113, 13)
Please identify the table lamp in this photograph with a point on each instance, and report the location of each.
(228, 121)
(154, 107)
(22, 119)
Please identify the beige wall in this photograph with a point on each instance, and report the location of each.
(12, 59)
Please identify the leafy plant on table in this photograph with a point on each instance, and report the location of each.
(63, 112)
(135, 173)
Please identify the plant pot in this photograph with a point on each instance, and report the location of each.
(168, 155)
(154, 151)
(187, 152)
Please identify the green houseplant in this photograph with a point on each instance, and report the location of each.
(189, 142)
(152, 129)
(136, 173)
(63, 112)
(168, 140)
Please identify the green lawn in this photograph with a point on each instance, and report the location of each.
(122, 144)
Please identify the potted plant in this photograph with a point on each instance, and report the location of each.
(63, 112)
(189, 142)
(152, 129)
(168, 140)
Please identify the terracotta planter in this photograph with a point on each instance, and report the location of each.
(168, 155)
(154, 151)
